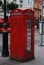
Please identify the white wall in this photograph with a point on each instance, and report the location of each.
(28, 4)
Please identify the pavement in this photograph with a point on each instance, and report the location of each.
(39, 53)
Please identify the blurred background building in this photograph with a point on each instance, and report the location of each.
(31, 4)
(37, 11)
(35, 5)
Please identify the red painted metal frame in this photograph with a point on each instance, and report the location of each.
(18, 35)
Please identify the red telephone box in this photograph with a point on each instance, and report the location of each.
(22, 34)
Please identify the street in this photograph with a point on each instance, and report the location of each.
(39, 53)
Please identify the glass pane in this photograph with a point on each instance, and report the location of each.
(28, 27)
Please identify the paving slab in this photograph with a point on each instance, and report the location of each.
(39, 54)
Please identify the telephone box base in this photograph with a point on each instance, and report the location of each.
(23, 60)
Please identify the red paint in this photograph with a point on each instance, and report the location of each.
(2, 21)
(18, 34)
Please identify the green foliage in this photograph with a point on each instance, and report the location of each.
(0, 2)
(12, 6)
